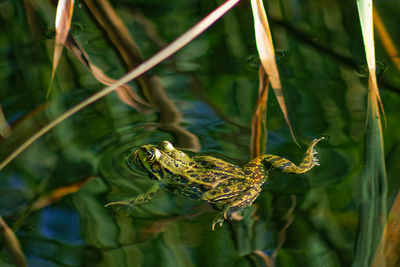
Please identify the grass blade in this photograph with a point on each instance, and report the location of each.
(180, 42)
(374, 183)
(12, 244)
(65, 9)
(266, 52)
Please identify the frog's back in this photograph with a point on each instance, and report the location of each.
(213, 169)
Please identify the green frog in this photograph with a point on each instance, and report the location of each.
(228, 187)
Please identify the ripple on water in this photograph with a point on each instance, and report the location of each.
(115, 170)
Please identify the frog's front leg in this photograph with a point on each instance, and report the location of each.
(284, 165)
(140, 199)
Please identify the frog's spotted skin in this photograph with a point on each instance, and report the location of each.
(227, 186)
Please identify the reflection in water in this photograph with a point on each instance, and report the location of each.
(150, 85)
(210, 103)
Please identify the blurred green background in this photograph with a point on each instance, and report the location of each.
(204, 102)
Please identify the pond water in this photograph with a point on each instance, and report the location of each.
(201, 100)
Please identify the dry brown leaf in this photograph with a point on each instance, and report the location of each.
(389, 247)
(124, 92)
(65, 9)
(386, 40)
(258, 121)
(58, 194)
(12, 244)
(266, 52)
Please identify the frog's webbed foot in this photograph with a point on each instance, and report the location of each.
(219, 219)
(311, 160)
(314, 158)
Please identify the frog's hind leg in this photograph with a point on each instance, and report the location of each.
(244, 199)
(284, 165)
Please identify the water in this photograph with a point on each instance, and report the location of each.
(203, 102)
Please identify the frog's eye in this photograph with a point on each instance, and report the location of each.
(153, 154)
(150, 154)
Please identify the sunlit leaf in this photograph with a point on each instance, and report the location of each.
(266, 52)
(65, 9)
(5, 129)
(124, 92)
(374, 182)
(180, 42)
(367, 28)
(388, 250)
(11, 242)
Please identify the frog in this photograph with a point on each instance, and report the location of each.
(226, 186)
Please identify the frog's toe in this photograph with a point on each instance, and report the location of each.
(219, 219)
(117, 203)
(129, 202)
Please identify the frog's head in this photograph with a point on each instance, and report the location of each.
(160, 161)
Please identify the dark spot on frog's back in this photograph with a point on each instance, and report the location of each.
(251, 165)
(181, 179)
(248, 172)
(208, 179)
(226, 190)
(193, 175)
